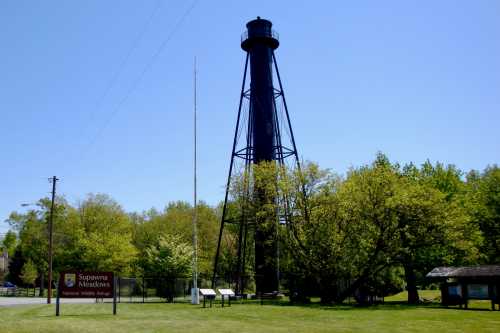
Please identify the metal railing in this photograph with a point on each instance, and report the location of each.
(264, 33)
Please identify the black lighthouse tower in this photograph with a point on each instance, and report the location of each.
(263, 134)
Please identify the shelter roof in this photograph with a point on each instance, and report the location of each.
(469, 271)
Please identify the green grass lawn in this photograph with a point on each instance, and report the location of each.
(248, 317)
(430, 295)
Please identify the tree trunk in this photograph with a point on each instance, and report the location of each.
(370, 269)
(411, 284)
(328, 290)
(42, 284)
(351, 289)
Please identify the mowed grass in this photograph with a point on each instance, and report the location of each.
(428, 295)
(247, 317)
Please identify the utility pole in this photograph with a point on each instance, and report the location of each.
(54, 180)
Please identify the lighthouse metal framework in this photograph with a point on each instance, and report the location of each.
(263, 133)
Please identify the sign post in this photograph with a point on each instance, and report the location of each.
(86, 285)
(57, 301)
(114, 295)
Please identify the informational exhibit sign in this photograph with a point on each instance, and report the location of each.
(455, 290)
(478, 291)
(208, 294)
(226, 294)
(86, 285)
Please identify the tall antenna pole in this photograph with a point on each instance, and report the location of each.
(51, 223)
(194, 292)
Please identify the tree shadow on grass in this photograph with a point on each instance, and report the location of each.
(80, 315)
(456, 308)
(391, 306)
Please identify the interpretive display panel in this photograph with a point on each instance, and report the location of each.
(478, 291)
(226, 292)
(207, 292)
(455, 290)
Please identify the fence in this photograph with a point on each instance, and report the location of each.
(135, 289)
(19, 292)
(160, 289)
(143, 290)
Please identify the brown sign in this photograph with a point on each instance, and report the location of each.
(86, 284)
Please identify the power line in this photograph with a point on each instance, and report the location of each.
(131, 50)
(139, 78)
(111, 83)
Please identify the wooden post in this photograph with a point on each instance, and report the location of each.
(51, 223)
(58, 301)
(143, 289)
(465, 293)
(114, 294)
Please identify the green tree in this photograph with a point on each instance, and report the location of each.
(176, 219)
(97, 235)
(484, 204)
(432, 231)
(9, 242)
(342, 237)
(379, 218)
(32, 227)
(16, 264)
(370, 226)
(434, 226)
(29, 273)
(33, 237)
(104, 235)
(169, 257)
(313, 242)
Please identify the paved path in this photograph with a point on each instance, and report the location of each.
(10, 301)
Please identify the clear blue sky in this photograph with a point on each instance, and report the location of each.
(416, 80)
